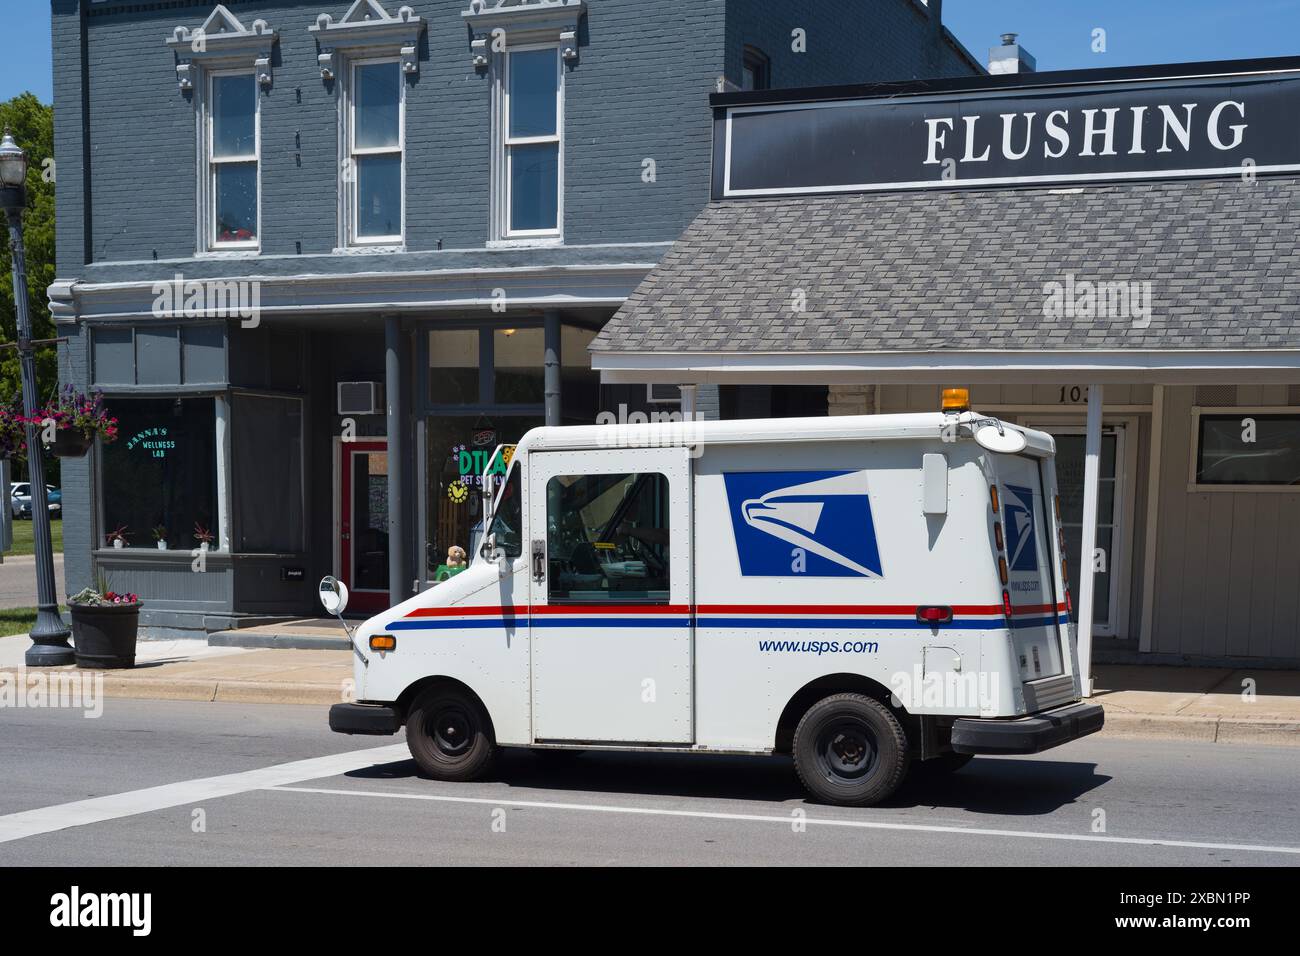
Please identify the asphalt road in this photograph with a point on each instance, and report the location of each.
(176, 783)
(18, 580)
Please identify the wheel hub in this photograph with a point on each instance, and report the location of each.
(846, 750)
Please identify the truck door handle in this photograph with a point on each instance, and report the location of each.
(539, 561)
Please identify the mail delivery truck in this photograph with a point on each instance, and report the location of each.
(863, 593)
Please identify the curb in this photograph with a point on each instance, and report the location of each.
(1224, 730)
(297, 642)
(198, 689)
(224, 691)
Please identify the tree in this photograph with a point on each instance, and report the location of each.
(32, 123)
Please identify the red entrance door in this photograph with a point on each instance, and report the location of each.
(363, 523)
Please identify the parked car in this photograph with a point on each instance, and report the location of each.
(20, 500)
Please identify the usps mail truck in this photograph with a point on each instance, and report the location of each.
(862, 593)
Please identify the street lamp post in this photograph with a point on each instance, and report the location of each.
(49, 634)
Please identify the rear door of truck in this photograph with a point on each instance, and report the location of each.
(1037, 608)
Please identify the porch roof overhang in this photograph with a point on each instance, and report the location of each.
(975, 286)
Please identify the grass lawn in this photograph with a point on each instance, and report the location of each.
(16, 620)
(19, 620)
(23, 539)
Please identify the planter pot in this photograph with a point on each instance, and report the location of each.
(69, 443)
(104, 637)
(162, 545)
(119, 543)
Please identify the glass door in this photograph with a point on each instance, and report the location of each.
(1070, 442)
(363, 523)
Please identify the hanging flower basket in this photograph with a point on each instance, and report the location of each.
(13, 431)
(70, 444)
(77, 419)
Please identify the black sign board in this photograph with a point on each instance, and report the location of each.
(288, 573)
(1136, 129)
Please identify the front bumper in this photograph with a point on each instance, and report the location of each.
(1026, 735)
(374, 719)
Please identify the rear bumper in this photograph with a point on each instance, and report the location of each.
(375, 719)
(1026, 735)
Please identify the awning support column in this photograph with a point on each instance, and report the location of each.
(551, 368)
(1087, 581)
(688, 402)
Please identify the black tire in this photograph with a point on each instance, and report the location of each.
(449, 735)
(944, 764)
(850, 750)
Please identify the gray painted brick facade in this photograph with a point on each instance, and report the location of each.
(125, 143)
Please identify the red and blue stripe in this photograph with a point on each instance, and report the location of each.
(975, 617)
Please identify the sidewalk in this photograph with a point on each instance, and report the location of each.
(1199, 703)
(191, 670)
(1187, 703)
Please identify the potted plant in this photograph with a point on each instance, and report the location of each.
(117, 537)
(77, 419)
(104, 627)
(13, 430)
(160, 537)
(203, 536)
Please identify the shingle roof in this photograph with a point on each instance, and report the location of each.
(970, 270)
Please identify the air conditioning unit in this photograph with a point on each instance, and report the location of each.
(660, 394)
(361, 398)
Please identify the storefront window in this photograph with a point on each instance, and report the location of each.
(453, 366)
(159, 479)
(1248, 449)
(517, 356)
(458, 449)
(266, 445)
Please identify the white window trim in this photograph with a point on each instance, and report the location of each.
(348, 239)
(208, 245)
(502, 234)
(1244, 411)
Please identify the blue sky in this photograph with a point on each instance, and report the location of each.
(1057, 32)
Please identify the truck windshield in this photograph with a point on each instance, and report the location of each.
(508, 519)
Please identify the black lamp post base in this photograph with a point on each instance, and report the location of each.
(49, 655)
(50, 646)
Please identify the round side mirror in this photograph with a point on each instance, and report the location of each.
(333, 595)
(997, 438)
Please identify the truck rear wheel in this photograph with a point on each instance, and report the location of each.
(449, 735)
(850, 750)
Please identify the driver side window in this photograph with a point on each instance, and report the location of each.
(607, 538)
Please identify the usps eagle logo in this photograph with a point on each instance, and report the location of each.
(803, 523)
(1022, 547)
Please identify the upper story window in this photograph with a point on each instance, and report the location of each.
(375, 171)
(756, 71)
(532, 142)
(366, 57)
(525, 48)
(233, 148)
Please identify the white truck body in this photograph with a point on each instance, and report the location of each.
(798, 556)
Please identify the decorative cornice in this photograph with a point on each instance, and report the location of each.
(523, 21)
(222, 37)
(368, 26)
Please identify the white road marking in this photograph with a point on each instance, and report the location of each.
(787, 820)
(16, 826)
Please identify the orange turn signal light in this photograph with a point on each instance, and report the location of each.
(997, 535)
(383, 642)
(1002, 570)
(993, 499)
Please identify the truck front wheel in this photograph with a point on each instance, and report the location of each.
(850, 750)
(449, 735)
